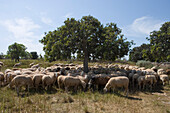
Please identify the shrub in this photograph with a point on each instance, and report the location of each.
(143, 63)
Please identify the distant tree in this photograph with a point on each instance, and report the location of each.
(138, 53)
(16, 51)
(34, 55)
(2, 56)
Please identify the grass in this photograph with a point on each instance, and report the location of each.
(81, 102)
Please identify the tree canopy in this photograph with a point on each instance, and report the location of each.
(86, 39)
(16, 51)
(158, 49)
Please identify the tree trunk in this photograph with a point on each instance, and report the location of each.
(85, 62)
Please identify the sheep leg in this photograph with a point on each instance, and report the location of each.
(18, 90)
(66, 89)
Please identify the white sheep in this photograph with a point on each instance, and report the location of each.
(19, 81)
(31, 64)
(141, 81)
(120, 81)
(37, 79)
(161, 71)
(17, 64)
(60, 81)
(35, 66)
(49, 80)
(164, 78)
(151, 79)
(70, 81)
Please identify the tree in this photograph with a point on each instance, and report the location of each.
(34, 55)
(16, 51)
(2, 56)
(86, 37)
(140, 53)
(160, 41)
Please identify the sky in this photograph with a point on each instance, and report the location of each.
(25, 21)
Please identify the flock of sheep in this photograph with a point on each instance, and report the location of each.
(71, 77)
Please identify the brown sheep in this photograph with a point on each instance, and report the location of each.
(1, 79)
(120, 81)
(98, 81)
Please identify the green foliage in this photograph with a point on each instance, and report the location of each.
(140, 53)
(160, 41)
(34, 55)
(143, 63)
(86, 38)
(2, 56)
(17, 51)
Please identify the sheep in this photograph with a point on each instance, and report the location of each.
(1, 63)
(1, 78)
(168, 71)
(35, 66)
(48, 80)
(7, 71)
(161, 71)
(0, 67)
(114, 82)
(9, 76)
(31, 64)
(164, 78)
(19, 81)
(85, 78)
(141, 81)
(134, 79)
(37, 79)
(17, 64)
(70, 81)
(60, 81)
(151, 79)
(99, 80)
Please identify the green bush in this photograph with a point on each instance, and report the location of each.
(143, 63)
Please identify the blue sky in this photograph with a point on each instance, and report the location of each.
(25, 21)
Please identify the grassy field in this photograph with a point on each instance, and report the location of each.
(57, 101)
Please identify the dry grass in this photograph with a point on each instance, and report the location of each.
(84, 102)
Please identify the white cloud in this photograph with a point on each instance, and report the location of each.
(22, 31)
(21, 28)
(46, 20)
(142, 26)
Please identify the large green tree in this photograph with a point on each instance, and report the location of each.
(160, 43)
(16, 51)
(87, 38)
